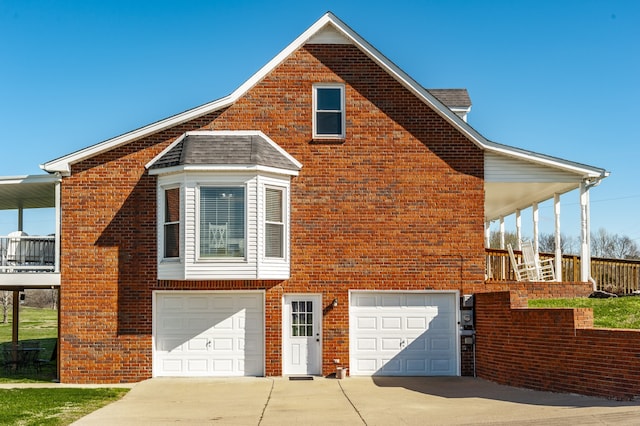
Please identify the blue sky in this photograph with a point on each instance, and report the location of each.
(556, 77)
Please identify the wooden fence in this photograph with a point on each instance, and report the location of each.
(619, 276)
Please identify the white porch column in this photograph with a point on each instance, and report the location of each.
(487, 234)
(536, 218)
(58, 226)
(502, 246)
(585, 233)
(519, 229)
(558, 259)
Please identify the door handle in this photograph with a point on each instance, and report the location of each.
(208, 343)
(402, 343)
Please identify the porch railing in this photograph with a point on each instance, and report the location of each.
(619, 276)
(27, 254)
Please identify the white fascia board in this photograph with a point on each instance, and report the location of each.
(585, 171)
(222, 168)
(25, 179)
(63, 164)
(408, 82)
(164, 151)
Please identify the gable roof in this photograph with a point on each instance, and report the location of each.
(231, 149)
(327, 29)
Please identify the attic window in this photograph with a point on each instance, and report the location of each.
(328, 111)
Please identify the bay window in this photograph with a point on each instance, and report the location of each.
(222, 222)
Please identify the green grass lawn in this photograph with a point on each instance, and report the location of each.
(44, 406)
(52, 406)
(37, 326)
(35, 323)
(616, 312)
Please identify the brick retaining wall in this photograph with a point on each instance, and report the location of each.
(553, 349)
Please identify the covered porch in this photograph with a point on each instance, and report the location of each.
(517, 180)
(29, 260)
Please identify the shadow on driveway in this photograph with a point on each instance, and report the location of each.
(468, 387)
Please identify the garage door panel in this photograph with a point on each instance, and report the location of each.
(197, 344)
(197, 303)
(216, 334)
(367, 323)
(419, 344)
(391, 366)
(416, 366)
(443, 343)
(417, 323)
(394, 323)
(390, 344)
(366, 344)
(391, 300)
(416, 336)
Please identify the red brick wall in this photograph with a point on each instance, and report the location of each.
(554, 349)
(540, 290)
(397, 205)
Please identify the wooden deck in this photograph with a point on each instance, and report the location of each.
(619, 276)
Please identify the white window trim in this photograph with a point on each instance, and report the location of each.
(161, 207)
(342, 110)
(201, 259)
(284, 223)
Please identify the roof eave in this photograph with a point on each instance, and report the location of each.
(237, 168)
(63, 164)
(588, 173)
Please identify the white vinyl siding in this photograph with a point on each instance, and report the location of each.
(253, 264)
(500, 168)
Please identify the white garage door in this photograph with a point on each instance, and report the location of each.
(403, 334)
(209, 334)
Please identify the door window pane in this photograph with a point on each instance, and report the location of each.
(302, 318)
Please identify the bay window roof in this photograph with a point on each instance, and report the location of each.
(225, 148)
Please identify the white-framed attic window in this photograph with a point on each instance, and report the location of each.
(329, 111)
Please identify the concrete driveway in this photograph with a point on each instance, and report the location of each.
(354, 401)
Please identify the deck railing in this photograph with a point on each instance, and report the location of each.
(619, 276)
(27, 254)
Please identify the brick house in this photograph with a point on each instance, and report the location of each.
(328, 213)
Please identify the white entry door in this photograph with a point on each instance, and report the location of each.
(302, 334)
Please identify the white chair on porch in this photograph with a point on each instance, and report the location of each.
(543, 268)
(523, 271)
(531, 268)
(16, 248)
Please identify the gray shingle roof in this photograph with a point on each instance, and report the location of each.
(452, 98)
(219, 150)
